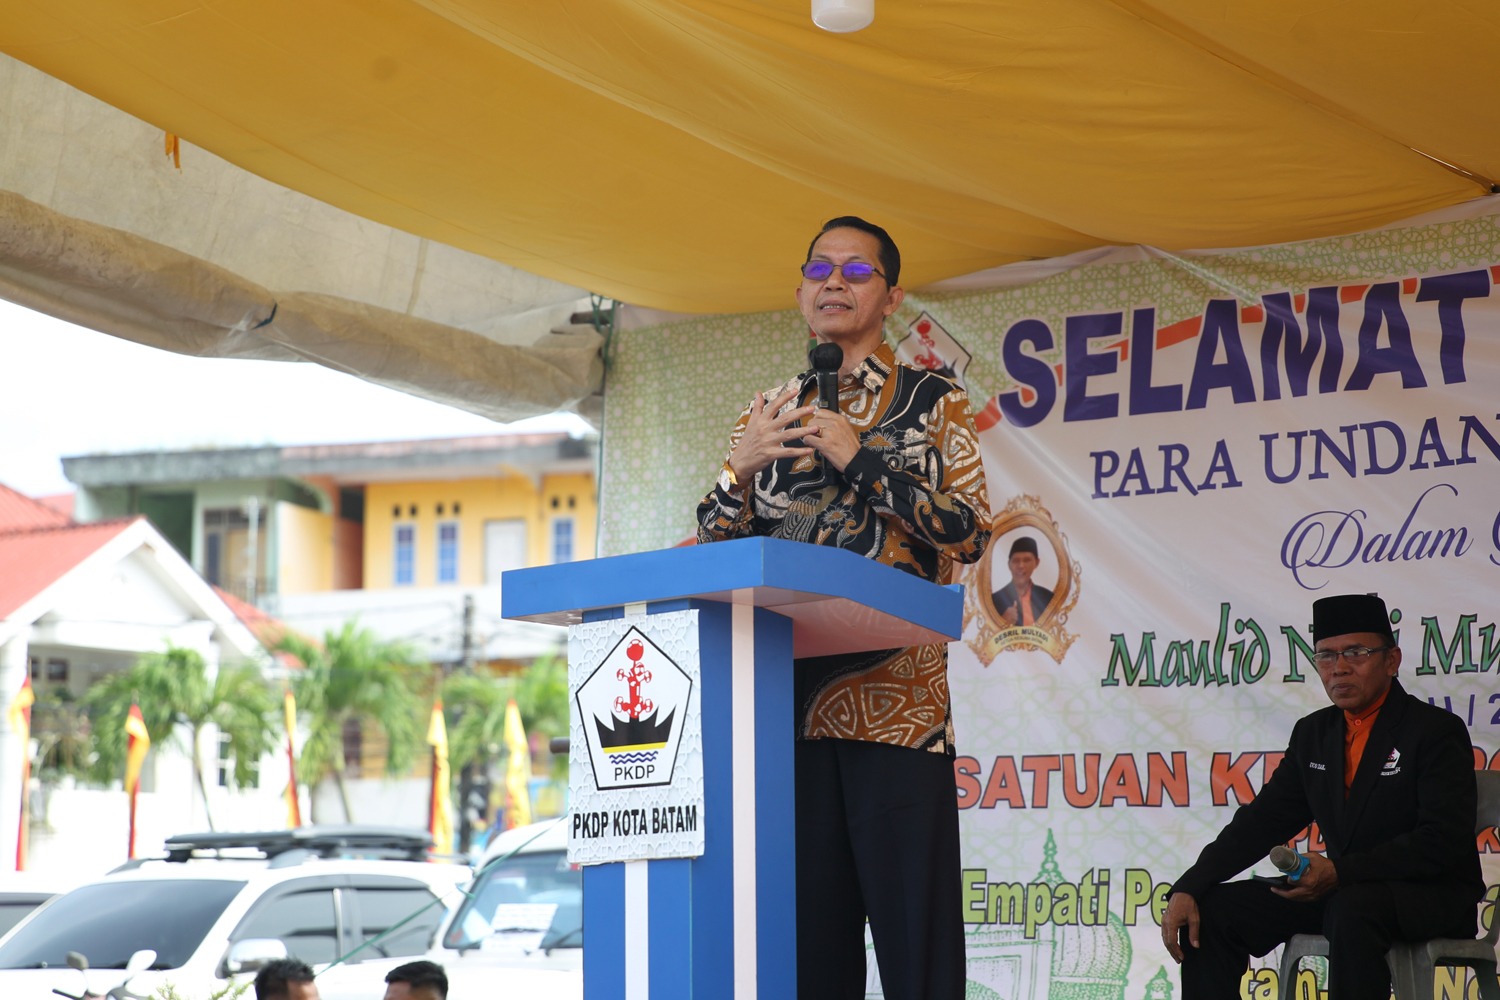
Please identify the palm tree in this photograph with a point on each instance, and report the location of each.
(475, 708)
(475, 704)
(355, 676)
(544, 700)
(174, 692)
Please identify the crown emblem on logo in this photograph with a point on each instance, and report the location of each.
(638, 734)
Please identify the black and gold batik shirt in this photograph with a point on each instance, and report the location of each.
(913, 497)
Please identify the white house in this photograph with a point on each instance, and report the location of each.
(76, 602)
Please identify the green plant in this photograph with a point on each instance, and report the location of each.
(230, 991)
(355, 676)
(175, 693)
(63, 734)
(474, 705)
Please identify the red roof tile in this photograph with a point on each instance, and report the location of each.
(19, 511)
(60, 502)
(267, 629)
(31, 560)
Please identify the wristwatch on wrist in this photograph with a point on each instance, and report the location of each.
(727, 476)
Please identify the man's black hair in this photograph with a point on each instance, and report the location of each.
(271, 982)
(890, 257)
(420, 973)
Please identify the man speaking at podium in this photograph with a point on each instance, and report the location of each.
(1390, 781)
(888, 467)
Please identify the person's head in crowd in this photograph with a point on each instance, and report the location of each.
(285, 979)
(420, 980)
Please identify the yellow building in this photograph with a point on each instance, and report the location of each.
(268, 524)
(408, 537)
(428, 533)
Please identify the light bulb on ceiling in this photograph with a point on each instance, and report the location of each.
(843, 16)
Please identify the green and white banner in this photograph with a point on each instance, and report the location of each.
(1200, 445)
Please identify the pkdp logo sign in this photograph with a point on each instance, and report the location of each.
(632, 706)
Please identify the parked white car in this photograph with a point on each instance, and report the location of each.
(517, 932)
(225, 904)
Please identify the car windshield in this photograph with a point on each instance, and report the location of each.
(527, 901)
(15, 905)
(107, 922)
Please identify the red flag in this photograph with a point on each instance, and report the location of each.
(138, 741)
(20, 724)
(293, 804)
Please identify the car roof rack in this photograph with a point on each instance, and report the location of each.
(292, 846)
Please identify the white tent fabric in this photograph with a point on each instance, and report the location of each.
(240, 267)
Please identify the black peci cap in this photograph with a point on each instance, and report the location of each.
(1348, 613)
(1024, 544)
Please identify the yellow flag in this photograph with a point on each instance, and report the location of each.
(20, 724)
(20, 712)
(293, 803)
(138, 742)
(517, 769)
(440, 805)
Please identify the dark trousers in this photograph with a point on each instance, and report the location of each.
(1240, 919)
(877, 836)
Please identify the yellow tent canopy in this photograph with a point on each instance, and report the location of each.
(678, 154)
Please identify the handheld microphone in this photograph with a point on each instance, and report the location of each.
(826, 359)
(1288, 862)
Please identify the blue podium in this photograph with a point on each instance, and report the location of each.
(723, 925)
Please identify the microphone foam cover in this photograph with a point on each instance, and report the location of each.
(827, 357)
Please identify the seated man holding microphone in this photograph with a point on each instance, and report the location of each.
(1389, 779)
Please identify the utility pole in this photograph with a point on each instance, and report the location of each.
(473, 796)
(252, 561)
(466, 658)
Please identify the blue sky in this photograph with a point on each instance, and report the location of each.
(72, 391)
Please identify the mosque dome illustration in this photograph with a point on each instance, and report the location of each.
(1060, 962)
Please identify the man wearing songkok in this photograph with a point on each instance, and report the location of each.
(1389, 779)
(1021, 601)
